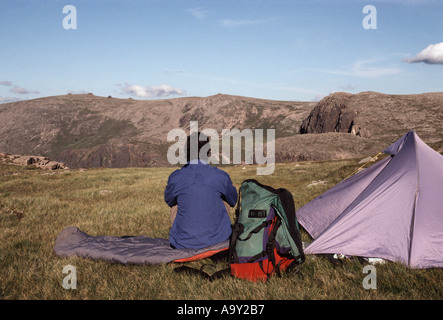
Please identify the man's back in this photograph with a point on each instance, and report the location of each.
(199, 190)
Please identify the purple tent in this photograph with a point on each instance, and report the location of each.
(391, 210)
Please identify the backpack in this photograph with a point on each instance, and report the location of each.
(266, 238)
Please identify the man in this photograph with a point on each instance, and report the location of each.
(202, 195)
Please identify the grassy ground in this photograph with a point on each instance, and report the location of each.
(36, 205)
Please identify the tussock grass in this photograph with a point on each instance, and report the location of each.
(35, 206)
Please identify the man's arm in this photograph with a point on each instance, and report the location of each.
(231, 193)
(170, 197)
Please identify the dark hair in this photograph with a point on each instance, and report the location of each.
(202, 140)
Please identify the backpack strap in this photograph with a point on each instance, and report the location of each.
(269, 249)
(287, 201)
(189, 270)
(270, 244)
(264, 224)
(236, 231)
(199, 272)
(238, 208)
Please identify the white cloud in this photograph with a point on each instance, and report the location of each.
(20, 90)
(243, 22)
(432, 54)
(365, 69)
(77, 92)
(295, 89)
(17, 89)
(160, 91)
(198, 13)
(319, 96)
(348, 87)
(8, 99)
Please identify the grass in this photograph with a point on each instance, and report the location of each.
(36, 205)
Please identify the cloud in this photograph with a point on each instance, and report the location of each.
(432, 54)
(77, 92)
(349, 87)
(318, 97)
(365, 69)
(8, 99)
(17, 89)
(173, 71)
(198, 13)
(20, 90)
(296, 89)
(160, 91)
(243, 22)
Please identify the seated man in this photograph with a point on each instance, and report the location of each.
(199, 191)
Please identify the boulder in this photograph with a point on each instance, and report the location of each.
(330, 115)
(37, 161)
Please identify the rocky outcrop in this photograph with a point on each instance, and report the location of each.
(36, 161)
(378, 116)
(332, 114)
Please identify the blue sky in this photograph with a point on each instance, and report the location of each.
(275, 49)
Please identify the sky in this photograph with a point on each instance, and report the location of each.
(277, 49)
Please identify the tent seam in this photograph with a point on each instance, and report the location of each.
(411, 233)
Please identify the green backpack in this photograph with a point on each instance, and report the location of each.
(266, 237)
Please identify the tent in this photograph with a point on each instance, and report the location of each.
(392, 210)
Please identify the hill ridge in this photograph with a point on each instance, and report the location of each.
(85, 130)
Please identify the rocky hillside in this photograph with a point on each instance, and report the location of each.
(325, 146)
(91, 131)
(379, 117)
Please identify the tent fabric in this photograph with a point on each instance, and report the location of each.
(318, 214)
(394, 148)
(392, 210)
(127, 250)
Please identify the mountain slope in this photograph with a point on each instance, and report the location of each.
(91, 131)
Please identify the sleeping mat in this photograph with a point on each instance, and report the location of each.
(127, 249)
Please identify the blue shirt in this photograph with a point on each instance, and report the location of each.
(199, 190)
